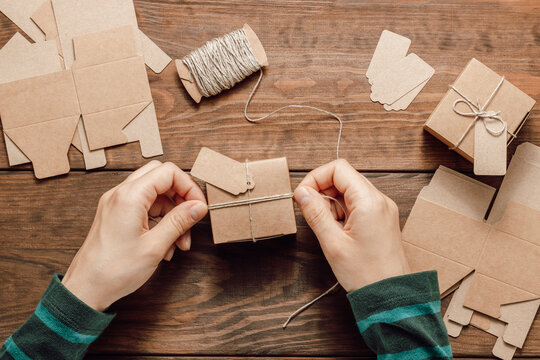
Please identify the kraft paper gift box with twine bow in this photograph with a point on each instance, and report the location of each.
(479, 116)
(248, 201)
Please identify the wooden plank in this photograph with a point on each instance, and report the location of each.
(318, 53)
(216, 300)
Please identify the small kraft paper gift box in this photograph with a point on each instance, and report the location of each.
(248, 201)
(479, 116)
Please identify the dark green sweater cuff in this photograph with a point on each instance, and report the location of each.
(71, 311)
(394, 292)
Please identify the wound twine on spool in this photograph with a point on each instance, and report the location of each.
(217, 66)
(223, 62)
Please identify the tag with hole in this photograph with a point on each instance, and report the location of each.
(222, 172)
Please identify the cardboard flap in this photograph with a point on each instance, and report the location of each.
(19, 11)
(155, 58)
(92, 159)
(449, 272)
(43, 98)
(46, 144)
(512, 261)
(520, 183)
(20, 60)
(445, 232)
(459, 193)
(144, 129)
(104, 46)
(519, 317)
(520, 221)
(104, 129)
(456, 312)
(222, 172)
(487, 295)
(112, 85)
(80, 17)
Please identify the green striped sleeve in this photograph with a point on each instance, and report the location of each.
(61, 327)
(400, 318)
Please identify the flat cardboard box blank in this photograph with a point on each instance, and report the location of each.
(454, 239)
(477, 81)
(269, 219)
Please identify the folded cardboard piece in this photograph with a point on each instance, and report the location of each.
(395, 77)
(497, 261)
(112, 84)
(191, 85)
(452, 117)
(76, 19)
(20, 60)
(248, 201)
(39, 115)
(111, 88)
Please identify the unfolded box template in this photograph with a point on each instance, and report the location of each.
(82, 83)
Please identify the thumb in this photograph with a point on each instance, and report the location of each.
(176, 223)
(317, 213)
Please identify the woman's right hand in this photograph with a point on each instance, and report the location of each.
(365, 249)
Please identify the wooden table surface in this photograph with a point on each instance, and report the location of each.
(229, 301)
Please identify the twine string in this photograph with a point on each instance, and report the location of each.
(249, 201)
(217, 66)
(252, 120)
(327, 292)
(478, 112)
(248, 182)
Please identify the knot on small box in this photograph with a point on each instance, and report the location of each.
(478, 112)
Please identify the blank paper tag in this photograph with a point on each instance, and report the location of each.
(221, 171)
(400, 78)
(390, 49)
(406, 100)
(489, 150)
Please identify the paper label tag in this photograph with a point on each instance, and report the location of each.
(489, 150)
(390, 49)
(221, 171)
(400, 78)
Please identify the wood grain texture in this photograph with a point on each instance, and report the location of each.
(225, 300)
(318, 53)
(229, 301)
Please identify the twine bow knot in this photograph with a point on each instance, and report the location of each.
(478, 111)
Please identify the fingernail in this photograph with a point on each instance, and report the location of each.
(198, 211)
(188, 243)
(302, 196)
